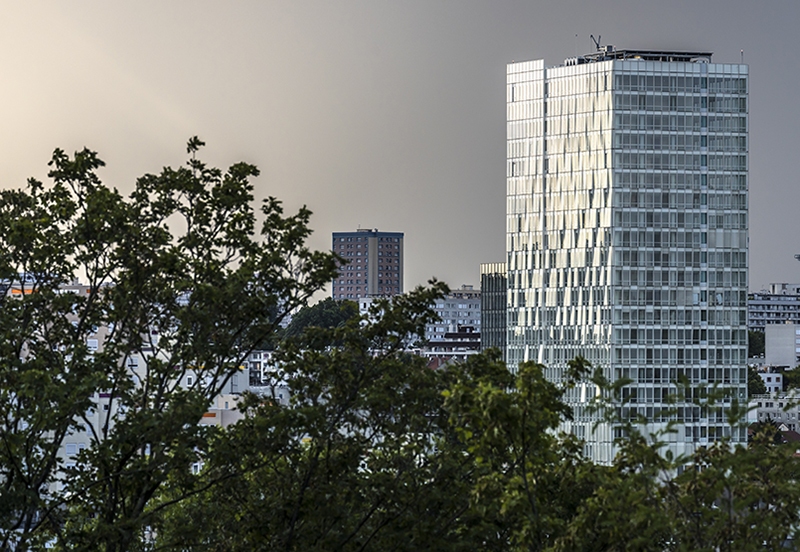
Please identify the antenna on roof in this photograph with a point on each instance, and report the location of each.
(742, 53)
(596, 41)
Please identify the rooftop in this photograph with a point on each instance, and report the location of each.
(605, 53)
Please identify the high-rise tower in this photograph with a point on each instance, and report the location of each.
(373, 264)
(627, 229)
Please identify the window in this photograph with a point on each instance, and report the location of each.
(71, 449)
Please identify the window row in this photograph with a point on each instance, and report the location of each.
(719, 317)
(677, 297)
(651, 141)
(674, 83)
(681, 180)
(659, 200)
(672, 356)
(364, 239)
(679, 161)
(630, 218)
(679, 123)
(687, 259)
(679, 336)
(657, 102)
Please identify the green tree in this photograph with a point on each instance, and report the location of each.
(328, 313)
(755, 343)
(362, 459)
(755, 385)
(791, 379)
(375, 451)
(378, 452)
(183, 282)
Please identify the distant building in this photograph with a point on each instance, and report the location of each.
(494, 296)
(781, 408)
(452, 346)
(373, 264)
(779, 304)
(782, 345)
(461, 308)
(773, 381)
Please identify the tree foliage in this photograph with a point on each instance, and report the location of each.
(755, 385)
(755, 343)
(374, 452)
(791, 379)
(182, 281)
(326, 314)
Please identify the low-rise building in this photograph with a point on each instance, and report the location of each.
(782, 408)
(454, 346)
(779, 304)
(773, 381)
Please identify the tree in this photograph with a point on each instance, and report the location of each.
(378, 452)
(328, 313)
(362, 459)
(755, 385)
(755, 343)
(182, 282)
(375, 451)
(791, 379)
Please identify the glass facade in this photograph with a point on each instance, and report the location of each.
(627, 233)
(494, 286)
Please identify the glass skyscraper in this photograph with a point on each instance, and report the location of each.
(627, 231)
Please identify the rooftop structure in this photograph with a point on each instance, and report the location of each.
(606, 53)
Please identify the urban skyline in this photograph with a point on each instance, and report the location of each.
(385, 116)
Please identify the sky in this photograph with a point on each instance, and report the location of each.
(374, 114)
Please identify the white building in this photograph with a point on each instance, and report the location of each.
(773, 381)
(779, 304)
(462, 307)
(782, 345)
(781, 408)
(627, 229)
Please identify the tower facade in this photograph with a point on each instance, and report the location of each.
(627, 229)
(373, 265)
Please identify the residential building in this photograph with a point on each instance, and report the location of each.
(627, 231)
(373, 264)
(494, 296)
(779, 304)
(454, 346)
(460, 308)
(781, 408)
(773, 380)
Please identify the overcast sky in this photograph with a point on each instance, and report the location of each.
(377, 114)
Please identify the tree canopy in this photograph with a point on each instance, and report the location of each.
(755, 343)
(327, 313)
(755, 385)
(180, 284)
(374, 450)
